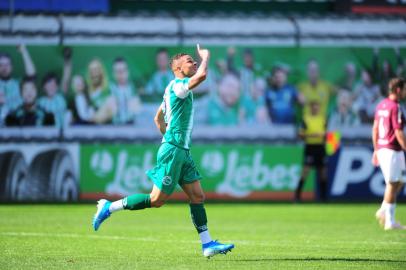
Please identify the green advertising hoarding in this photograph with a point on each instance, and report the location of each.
(238, 171)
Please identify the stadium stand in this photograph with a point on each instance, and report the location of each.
(218, 29)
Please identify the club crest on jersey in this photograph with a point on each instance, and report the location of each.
(167, 180)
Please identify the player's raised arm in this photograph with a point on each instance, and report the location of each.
(159, 120)
(201, 72)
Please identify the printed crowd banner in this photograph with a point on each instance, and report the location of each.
(231, 171)
(142, 64)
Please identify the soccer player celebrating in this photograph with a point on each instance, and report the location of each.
(389, 140)
(175, 165)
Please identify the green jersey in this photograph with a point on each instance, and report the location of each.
(178, 111)
(55, 105)
(11, 91)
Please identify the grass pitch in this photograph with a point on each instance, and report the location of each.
(267, 236)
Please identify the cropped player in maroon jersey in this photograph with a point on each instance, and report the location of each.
(389, 141)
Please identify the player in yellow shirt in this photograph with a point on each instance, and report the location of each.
(313, 133)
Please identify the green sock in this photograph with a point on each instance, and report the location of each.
(137, 202)
(199, 218)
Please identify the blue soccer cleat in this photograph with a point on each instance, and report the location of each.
(101, 214)
(213, 248)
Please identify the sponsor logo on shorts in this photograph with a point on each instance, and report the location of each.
(167, 180)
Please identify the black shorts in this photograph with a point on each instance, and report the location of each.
(315, 155)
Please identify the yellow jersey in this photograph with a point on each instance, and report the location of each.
(321, 92)
(312, 124)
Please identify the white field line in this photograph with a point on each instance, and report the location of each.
(90, 236)
(154, 239)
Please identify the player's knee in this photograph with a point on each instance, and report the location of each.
(157, 202)
(198, 198)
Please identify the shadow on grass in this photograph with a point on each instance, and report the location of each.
(322, 259)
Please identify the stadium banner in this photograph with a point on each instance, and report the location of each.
(72, 171)
(353, 177)
(229, 171)
(233, 172)
(39, 172)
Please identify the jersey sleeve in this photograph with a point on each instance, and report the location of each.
(181, 87)
(397, 118)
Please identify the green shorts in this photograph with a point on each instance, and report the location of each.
(174, 166)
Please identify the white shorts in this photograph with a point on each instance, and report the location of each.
(392, 164)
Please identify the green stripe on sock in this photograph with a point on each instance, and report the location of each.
(137, 202)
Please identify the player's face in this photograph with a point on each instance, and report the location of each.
(188, 66)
